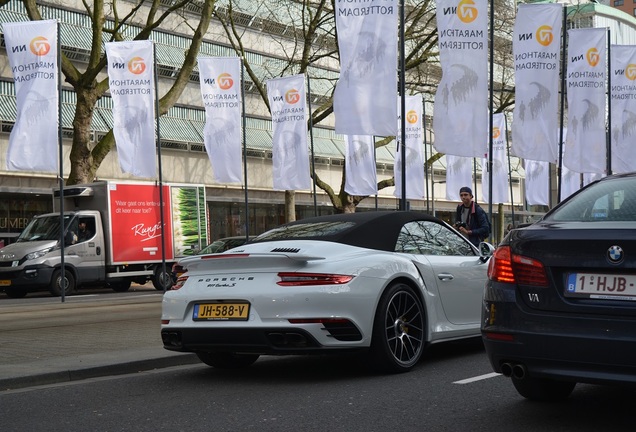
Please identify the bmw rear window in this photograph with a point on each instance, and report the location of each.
(609, 200)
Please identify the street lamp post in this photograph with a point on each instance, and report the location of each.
(433, 191)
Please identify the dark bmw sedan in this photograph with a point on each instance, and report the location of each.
(560, 300)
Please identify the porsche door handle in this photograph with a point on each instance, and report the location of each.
(445, 276)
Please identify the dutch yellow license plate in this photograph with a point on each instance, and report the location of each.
(5, 282)
(221, 311)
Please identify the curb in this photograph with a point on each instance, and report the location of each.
(48, 378)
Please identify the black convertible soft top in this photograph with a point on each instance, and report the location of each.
(370, 229)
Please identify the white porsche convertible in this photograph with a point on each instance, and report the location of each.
(385, 283)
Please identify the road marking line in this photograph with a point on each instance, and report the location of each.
(477, 378)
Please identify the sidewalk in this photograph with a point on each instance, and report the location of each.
(45, 341)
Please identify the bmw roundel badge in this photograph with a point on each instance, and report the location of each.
(615, 254)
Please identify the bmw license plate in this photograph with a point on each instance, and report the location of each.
(221, 311)
(601, 286)
(5, 282)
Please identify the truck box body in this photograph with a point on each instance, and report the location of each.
(128, 240)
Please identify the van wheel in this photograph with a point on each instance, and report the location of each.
(162, 281)
(56, 283)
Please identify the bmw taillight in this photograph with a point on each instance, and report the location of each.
(508, 267)
(304, 279)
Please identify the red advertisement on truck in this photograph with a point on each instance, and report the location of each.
(135, 223)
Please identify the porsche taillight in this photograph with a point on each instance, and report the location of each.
(508, 267)
(304, 279)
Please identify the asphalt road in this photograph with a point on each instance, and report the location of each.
(453, 389)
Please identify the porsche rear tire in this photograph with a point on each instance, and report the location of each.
(398, 330)
(227, 360)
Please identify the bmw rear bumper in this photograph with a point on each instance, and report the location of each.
(591, 348)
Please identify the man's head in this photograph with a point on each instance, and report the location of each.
(82, 226)
(466, 195)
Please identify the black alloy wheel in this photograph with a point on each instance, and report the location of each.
(398, 330)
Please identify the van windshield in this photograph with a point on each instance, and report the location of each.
(43, 228)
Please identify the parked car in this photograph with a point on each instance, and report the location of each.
(383, 283)
(223, 244)
(560, 301)
(220, 245)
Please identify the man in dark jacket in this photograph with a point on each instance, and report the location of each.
(471, 220)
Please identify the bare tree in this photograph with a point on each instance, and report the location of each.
(144, 15)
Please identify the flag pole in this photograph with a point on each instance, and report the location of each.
(162, 280)
(490, 117)
(61, 167)
(512, 196)
(311, 140)
(425, 157)
(563, 71)
(608, 139)
(402, 147)
(247, 208)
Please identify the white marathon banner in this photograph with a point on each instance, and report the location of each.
(220, 79)
(288, 103)
(623, 108)
(132, 88)
(585, 144)
(460, 118)
(414, 150)
(32, 50)
(536, 47)
(459, 173)
(365, 99)
(500, 184)
(360, 171)
(537, 182)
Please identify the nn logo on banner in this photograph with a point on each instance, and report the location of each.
(543, 35)
(629, 72)
(466, 11)
(224, 81)
(136, 65)
(39, 46)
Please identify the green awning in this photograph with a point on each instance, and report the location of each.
(178, 129)
(326, 148)
(384, 155)
(258, 139)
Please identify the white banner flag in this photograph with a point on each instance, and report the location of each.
(590, 177)
(500, 184)
(288, 100)
(586, 149)
(459, 173)
(132, 87)
(570, 180)
(460, 119)
(220, 79)
(536, 48)
(414, 150)
(623, 108)
(537, 182)
(365, 101)
(32, 50)
(360, 171)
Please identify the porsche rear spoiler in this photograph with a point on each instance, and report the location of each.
(242, 261)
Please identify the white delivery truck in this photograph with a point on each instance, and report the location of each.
(113, 236)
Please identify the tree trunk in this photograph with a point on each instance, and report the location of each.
(290, 206)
